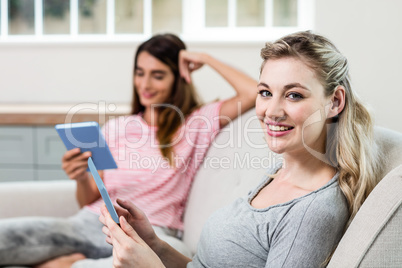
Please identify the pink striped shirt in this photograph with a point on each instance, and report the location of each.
(144, 176)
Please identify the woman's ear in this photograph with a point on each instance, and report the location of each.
(337, 102)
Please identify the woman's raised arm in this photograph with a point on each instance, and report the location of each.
(244, 85)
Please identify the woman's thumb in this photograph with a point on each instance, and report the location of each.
(128, 229)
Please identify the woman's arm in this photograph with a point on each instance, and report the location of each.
(244, 85)
(171, 257)
(75, 164)
(135, 244)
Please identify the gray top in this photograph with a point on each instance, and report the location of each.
(299, 233)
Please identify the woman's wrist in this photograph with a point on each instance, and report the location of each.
(158, 246)
(206, 58)
(84, 180)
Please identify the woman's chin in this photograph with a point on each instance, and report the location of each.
(276, 148)
(146, 103)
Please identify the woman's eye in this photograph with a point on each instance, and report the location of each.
(158, 77)
(264, 93)
(295, 96)
(138, 73)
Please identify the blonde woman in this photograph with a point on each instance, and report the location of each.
(297, 215)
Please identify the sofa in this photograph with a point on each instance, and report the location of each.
(234, 165)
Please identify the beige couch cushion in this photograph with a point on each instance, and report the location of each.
(374, 239)
(386, 250)
(390, 143)
(37, 198)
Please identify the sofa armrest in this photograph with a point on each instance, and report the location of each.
(38, 198)
(374, 237)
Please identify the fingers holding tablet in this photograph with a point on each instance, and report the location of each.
(75, 164)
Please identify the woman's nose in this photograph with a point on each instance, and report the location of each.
(144, 82)
(275, 110)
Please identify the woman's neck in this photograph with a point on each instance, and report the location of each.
(306, 171)
(150, 117)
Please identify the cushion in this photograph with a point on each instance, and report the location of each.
(390, 143)
(38, 198)
(374, 238)
(386, 248)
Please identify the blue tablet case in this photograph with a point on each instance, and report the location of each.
(102, 190)
(88, 137)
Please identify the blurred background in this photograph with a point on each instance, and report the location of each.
(55, 54)
(72, 60)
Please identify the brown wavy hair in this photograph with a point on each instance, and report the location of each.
(166, 48)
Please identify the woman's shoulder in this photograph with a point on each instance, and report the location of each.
(326, 203)
(123, 118)
(324, 208)
(120, 121)
(208, 108)
(329, 201)
(205, 118)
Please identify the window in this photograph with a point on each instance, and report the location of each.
(56, 17)
(245, 20)
(114, 20)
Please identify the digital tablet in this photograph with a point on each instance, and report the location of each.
(102, 190)
(88, 137)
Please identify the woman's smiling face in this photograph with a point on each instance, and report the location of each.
(289, 95)
(153, 80)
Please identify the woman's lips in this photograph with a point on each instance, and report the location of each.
(148, 95)
(278, 130)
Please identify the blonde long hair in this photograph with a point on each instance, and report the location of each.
(350, 144)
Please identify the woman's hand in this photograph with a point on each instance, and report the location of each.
(75, 164)
(137, 219)
(243, 84)
(129, 249)
(189, 62)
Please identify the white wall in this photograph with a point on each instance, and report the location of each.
(368, 32)
(69, 73)
(65, 73)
